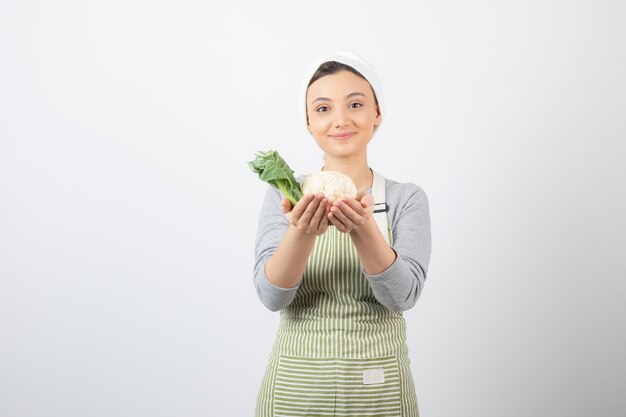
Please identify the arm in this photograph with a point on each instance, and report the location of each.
(399, 285)
(282, 249)
(374, 252)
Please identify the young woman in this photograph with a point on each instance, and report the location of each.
(342, 272)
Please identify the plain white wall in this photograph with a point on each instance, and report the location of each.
(128, 214)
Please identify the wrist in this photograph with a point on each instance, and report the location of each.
(300, 234)
(366, 229)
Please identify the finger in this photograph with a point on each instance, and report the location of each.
(368, 201)
(363, 208)
(301, 206)
(330, 223)
(319, 213)
(325, 218)
(353, 204)
(323, 225)
(336, 222)
(339, 213)
(286, 205)
(347, 214)
(311, 208)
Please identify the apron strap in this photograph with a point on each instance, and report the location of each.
(380, 206)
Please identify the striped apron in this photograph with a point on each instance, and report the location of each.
(338, 351)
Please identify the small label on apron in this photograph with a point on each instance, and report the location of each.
(373, 376)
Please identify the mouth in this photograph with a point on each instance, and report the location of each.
(345, 135)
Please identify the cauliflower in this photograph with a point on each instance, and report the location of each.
(273, 169)
(333, 184)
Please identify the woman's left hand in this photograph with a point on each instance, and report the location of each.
(349, 214)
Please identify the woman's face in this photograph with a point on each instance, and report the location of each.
(342, 113)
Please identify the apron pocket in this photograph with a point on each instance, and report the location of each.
(368, 387)
(337, 387)
(304, 387)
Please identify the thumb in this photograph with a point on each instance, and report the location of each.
(367, 201)
(286, 205)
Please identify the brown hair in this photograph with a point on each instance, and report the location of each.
(333, 67)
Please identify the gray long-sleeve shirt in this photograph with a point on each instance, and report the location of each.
(398, 287)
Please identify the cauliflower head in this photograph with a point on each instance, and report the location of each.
(334, 185)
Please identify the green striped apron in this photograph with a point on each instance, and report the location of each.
(338, 351)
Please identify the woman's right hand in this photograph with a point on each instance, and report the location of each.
(309, 215)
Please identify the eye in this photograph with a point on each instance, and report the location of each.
(355, 105)
(322, 109)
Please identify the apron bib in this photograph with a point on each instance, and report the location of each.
(338, 351)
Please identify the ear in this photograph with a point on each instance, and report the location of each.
(308, 125)
(378, 119)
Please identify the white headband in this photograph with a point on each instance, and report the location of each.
(348, 58)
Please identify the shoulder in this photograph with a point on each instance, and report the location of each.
(271, 201)
(273, 194)
(403, 196)
(400, 192)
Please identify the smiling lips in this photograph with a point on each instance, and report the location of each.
(344, 135)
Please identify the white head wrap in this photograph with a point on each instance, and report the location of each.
(348, 58)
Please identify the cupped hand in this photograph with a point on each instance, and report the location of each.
(349, 214)
(309, 215)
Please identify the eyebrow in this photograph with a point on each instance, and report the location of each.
(356, 93)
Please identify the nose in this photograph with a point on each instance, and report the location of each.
(341, 117)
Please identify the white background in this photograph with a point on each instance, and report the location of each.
(128, 214)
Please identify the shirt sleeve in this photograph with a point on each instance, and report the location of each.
(400, 285)
(272, 227)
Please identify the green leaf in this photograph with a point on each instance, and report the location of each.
(273, 169)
